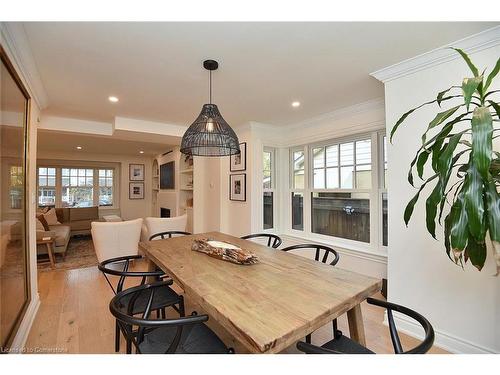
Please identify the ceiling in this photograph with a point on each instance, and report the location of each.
(155, 69)
(51, 141)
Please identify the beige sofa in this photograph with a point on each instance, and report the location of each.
(74, 221)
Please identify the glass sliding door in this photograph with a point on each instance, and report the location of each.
(14, 277)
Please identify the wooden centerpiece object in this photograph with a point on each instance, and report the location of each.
(224, 251)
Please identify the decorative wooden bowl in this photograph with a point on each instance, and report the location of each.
(224, 251)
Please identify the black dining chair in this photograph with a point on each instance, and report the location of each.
(184, 335)
(169, 234)
(273, 240)
(345, 345)
(165, 297)
(322, 254)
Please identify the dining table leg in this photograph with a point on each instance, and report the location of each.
(151, 267)
(356, 327)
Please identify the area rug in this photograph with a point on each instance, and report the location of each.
(80, 254)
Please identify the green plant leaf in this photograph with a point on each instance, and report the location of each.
(495, 106)
(472, 67)
(469, 86)
(411, 204)
(476, 252)
(431, 208)
(440, 95)
(493, 210)
(459, 233)
(440, 118)
(405, 115)
(474, 203)
(447, 229)
(422, 159)
(492, 75)
(482, 131)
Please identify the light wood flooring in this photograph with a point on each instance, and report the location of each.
(74, 317)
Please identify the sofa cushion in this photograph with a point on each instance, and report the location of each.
(84, 213)
(62, 233)
(43, 221)
(51, 217)
(62, 214)
(80, 225)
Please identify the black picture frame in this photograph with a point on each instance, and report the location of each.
(234, 195)
(140, 194)
(234, 166)
(131, 175)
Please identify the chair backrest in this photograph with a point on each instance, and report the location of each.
(322, 253)
(159, 225)
(273, 240)
(116, 239)
(169, 234)
(422, 348)
(122, 307)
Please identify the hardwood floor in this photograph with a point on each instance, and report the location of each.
(74, 317)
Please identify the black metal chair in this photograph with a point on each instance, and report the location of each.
(165, 297)
(185, 335)
(169, 234)
(344, 345)
(273, 240)
(322, 255)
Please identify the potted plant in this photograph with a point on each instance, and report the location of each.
(465, 168)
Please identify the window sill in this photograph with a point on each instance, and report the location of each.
(344, 246)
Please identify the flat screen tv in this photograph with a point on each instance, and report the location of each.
(167, 175)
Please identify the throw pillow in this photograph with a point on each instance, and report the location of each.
(51, 217)
(44, 223)
(39, 225)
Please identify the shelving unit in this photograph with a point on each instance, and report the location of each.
(186, 183)
(155, 186)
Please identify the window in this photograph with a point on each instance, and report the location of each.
(46, 187)
(268, 188)
(16, 187)
(77, 187)
(105, 187)
(351, 170)
(383, 193)
(298, 169)
(341, 197)
(298, 185)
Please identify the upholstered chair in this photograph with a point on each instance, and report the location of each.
(116, 239)
(156, 225)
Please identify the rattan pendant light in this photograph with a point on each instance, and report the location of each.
(210, 134)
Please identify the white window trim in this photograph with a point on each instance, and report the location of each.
(272, 190)
(95, 192)
(375, 244)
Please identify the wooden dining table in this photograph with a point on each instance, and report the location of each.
(267, 306)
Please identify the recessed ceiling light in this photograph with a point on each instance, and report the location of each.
(295, 104)
(79, 147)
(113, 99)
(141, 152)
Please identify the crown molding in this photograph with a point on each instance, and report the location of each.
(15, 42)
(474, 43)
(341, 113)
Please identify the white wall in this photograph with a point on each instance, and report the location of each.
(129, 208)
(462, 305)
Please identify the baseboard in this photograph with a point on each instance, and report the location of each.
(443, 340)
(23, 331)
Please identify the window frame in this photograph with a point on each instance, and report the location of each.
(375, 197)
(95, 183)
(272, 189)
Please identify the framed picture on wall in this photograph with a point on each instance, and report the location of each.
(136, 190)
(239, 162)
(238, 187)
(136, 172)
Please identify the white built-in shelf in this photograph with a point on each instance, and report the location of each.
(186, 188)
(189, 170)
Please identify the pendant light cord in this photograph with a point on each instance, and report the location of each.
(210, 87)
